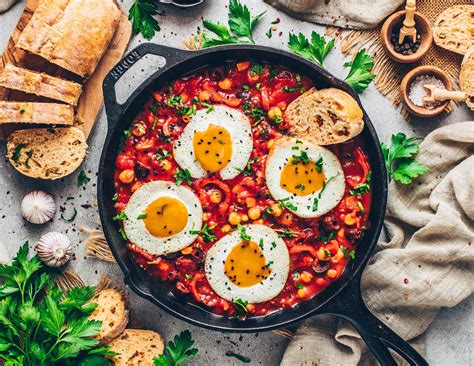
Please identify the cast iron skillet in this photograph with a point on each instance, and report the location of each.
(342, 298)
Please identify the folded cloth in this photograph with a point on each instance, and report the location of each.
(427, 264)
(358, 14)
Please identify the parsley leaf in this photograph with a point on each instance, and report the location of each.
(183, 175)
(362, 188)
(17, 152)
(141, 15)
(399, 158)
(315, 51)
(82, 178)
(285, 203)
(243, 232)
(206, 233)
(359, 76)
(177, 351)
(248, 168)
(122, 216)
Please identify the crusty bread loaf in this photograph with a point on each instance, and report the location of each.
(37, 113)
(325, 117)
(454, 28)
(112, 312)
(466, 78)
(47, 153)
(136, 347)
(32, 82)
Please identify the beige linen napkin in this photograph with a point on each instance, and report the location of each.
(358, 14)
(427, 264)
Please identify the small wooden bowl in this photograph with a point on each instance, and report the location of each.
(408, 80)
(396, 20)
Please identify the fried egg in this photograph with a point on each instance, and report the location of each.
(216, 140)
(306, 179)
(162, 217)
(251, 264)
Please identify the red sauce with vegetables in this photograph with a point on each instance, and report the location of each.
(319, 248)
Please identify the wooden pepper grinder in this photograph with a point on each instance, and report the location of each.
(408, 29)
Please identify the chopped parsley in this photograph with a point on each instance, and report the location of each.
(257, 69)
(319, 165)
(242, 304)
(22, 110)
(347, 255)
(82, 179)
(206, 233)
(248, 168)
(274, 244)
(122, 216)
(29, 154)
(362, 188)
(315, 204)
(258, 114)
(285, 203)
(122, 233)
(243, 232)
(286, 234)
(260, 243)
(141, 216)
(183, 175)
(209, 107)
(269, 33)
(164, 154)
(189, 277)
(325, 238)
(301, 187)
(17, 152)
(124, 137)
(303, 158)
(296, 276)
(287, 89)
(299, 286)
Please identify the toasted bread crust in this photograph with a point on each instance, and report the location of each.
(454, 28)
(37, 113)
(325, 117)
(32, 82)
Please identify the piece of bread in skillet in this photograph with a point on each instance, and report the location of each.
(136, 347)
(17, 78)
(72, 34)
(453, 29)
(112, 312)
(47, 153)
(466, 78)
(325, 117)
(36, 113)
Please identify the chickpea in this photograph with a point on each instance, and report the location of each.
(216, 196)
(276, 210)
(226, 228)
(234, 218)
(245, 218)
(323, 254)
(165, 165)
(127, 176)
(204, 96)
(250, 201)
(331, 273)
(254, 213)
(275, 113)
(306, 277)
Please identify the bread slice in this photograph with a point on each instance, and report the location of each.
(112, 312)
(31, 82)
(136, 347)
(37, 113)
(47, 153)
(72, 34)
(325, 117)
(466, 77)
(454, 28)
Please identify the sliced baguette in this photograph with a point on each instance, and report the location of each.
(325, 117)
(55, 153)
(31, 82)
(136, 347)
(454, 28)
(112, 312)
(36, 113)
(466, 78)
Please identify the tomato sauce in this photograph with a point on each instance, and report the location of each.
(319, 248)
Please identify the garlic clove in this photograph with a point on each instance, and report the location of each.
(38, 207)
(54, 249)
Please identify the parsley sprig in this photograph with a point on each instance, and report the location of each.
(399, 158)
(40, 325)
(359, 76)
(177, 351)
(206, 233)
(243, 232)
(315, 50)
(240, 30)
(183, 176)
(141, 14)
(362, 188)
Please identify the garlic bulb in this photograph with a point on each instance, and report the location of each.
(54, 249)
(38, 207)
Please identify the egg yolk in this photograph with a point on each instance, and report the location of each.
(246, 265)
(301, 179)
(165, 217)
(212, 148)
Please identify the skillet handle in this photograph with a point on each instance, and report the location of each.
(170, 55)
(379, 338)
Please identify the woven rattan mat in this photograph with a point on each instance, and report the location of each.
(390, 73)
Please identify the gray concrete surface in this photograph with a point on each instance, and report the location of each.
(449, 337)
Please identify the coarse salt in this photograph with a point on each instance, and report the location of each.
(418, 93)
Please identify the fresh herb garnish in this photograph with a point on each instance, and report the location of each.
(243, 232)
(240, 30)
(29, 154)
(285, 203)
(299, 285)
(178, 351)
(241, 358)
(22, 110)
(286, 233)
(287, 89)
(361, 207)
(206, 232)
(257, 69)
(296, 276)
(141, 15)
(315, 51)
(399, 158)
(39, 324)
(123, 138)
(315, 204)
(359, 76)
(188, 276)
(120, 217)
(82, 178)
(302, 157)
(260, 243)
(17, 152)
(164, 154)
(248, 168)
(122, 233)
(347, 255)
(181, 176)
(141, 216)
(258, 114)
(69, 219)
(326, 238)
(362, 188)
(269, 33)
(241, 304)
(319, 165)
(209, 107)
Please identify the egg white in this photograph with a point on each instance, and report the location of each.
(263, 291)
(142, 198)
(330, 196)
(238, 126)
